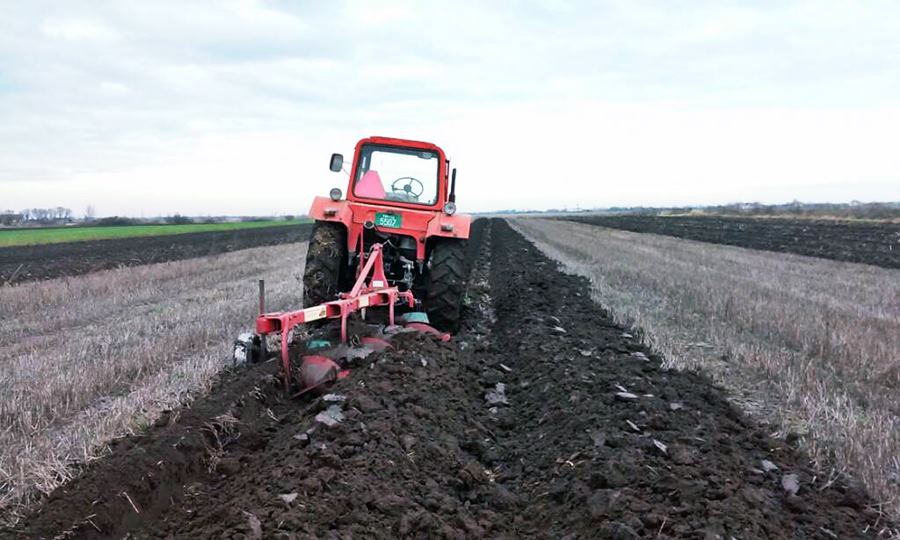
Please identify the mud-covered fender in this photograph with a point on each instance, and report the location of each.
(455, 226)
(324, 209)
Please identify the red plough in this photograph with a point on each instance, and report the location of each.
(370, 290)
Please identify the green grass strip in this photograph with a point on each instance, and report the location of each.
(57, 235)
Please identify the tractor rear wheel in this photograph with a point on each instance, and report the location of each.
(326, 270)
(446, 284)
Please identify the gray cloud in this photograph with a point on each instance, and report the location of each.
(88, 87)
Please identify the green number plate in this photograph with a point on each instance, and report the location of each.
(391, 221)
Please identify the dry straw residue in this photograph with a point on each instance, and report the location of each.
(94, 357)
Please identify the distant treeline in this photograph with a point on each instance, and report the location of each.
(852, 210)
(36, 216)
(56, 217)
(177, 219)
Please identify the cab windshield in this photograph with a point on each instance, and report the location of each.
(397, 174)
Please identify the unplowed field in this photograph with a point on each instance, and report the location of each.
(28, 263)
(590, 439)
(869, 243)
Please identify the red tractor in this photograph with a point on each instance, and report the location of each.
(395, 241)
(401, 196)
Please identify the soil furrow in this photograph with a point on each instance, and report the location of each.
(541, 419)
(605, 442)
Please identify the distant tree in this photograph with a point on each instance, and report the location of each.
(90, 213)
(178, 219)
(115, 221)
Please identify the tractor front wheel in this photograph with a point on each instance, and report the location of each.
(446, 284)
(326, 263)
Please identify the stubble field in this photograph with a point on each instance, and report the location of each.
(594, 437)
(869, 242)
(98, 356)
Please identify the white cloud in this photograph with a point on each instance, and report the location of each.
(113, 89)
(78, 29)
(172, 106)
(369, 14)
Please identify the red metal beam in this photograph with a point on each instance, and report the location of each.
(370, 290)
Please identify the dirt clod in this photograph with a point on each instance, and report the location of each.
(790, 483)
(330, 416)
(407, 442)
(497, 395)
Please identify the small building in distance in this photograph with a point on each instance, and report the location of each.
(9, 218)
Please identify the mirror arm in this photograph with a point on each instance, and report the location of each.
(452, 197)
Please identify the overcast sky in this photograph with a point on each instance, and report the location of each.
(233, 107)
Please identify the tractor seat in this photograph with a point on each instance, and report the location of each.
(370, 186)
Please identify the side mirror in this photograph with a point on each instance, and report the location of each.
(337, 162)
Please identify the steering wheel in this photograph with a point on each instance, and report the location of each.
(409, 188)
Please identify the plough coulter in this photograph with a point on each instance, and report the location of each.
(398, 245)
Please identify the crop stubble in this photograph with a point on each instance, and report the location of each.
(420, 453)
(875, 243)
(93, 357)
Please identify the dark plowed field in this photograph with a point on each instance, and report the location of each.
(868, 243)
(29, 263)
(591, 439)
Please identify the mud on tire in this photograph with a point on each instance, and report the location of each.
(445, 284)
(326, 263)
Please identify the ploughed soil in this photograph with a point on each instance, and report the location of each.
(29, 263)
(541, 418)
(860, 242)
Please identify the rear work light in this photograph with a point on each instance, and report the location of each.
(450, 208)
(335, 194)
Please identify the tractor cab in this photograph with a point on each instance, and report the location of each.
(400, 195)
(387, 171)
(406, 175)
